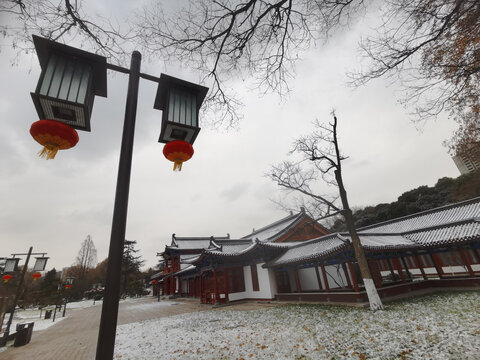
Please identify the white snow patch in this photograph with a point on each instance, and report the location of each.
(434, 327)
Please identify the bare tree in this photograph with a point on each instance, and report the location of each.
(431, 46)
(319, 157)
(87, 257)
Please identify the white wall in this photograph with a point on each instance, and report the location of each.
(264, 283)
(308, 279)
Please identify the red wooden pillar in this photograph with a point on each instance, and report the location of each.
(389, 263)
(354, 278)
(419, 265)
(172, 285)
(165, 286)
(437, 262)
(406, 267)
(227, 283)
(398, 266)
(318, 277)
(215, 286)
(297, 281)
(325, 280)
(372, 264)
(347, 276)
(276, 281)
(466, 261)
(180, 290)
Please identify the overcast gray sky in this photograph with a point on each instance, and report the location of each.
(53, 205)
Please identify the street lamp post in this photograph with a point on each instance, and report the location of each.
(10, 266)
(179, 100)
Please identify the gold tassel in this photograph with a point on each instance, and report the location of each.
(49, 151)
(177, 166)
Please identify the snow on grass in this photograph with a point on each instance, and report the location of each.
(445, 326)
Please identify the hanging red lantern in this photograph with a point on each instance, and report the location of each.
(68, 286)
(154, 282)
(6, 278)
(36, 275)
(178, 151)
(54, 136)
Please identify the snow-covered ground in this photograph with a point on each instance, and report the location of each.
(33, 315)
(445, 326)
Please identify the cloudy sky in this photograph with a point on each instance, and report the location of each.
(53, 205)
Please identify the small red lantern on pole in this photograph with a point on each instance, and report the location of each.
(6, 278)
(54, 136)
(36, 275)
(178, 151)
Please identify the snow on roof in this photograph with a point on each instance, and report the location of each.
(268, 232)
(310, 250)
(450, 233)
(451, 213)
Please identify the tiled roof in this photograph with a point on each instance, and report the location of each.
(269, 232)
(446, 214)
(192, 243)
(451, 233)
(311, 250)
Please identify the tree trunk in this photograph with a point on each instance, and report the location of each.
(373, 298)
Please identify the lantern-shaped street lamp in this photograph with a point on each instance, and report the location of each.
(11, 265)
(64, 96)
(40, 263)
(69, 281)
(180, 102)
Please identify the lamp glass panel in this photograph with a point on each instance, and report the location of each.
(11, 265)
(66, 80)
(82, 91)
(75, 85)
(57, 78)
(176, 111)
(69, 280)
(40, 264)
(47, 78)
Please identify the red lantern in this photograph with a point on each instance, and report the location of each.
(68, 286)
(178, 151)
(6, 278)
(154, 282)
(36, 275)
(54, 136)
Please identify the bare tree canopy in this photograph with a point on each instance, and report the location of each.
(87, 256)
(431, 46)
(319, 157)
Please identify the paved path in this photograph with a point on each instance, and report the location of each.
(75, 337)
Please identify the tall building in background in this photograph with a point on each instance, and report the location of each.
(469, 160)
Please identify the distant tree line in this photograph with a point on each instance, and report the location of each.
(446, 191)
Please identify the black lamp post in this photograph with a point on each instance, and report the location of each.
(11, 265)
(181, 97)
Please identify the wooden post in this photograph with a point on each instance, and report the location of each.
(201, 288)
(215, 286)
(325, 280)
(354, 278)
(318, 277)
(438, 267)
(172, 285)
(347, 276)
(466, 261)
(406, 267)
(180, 289)
(389, 263)
(297, 281)
(375, 273)
(226, 284)
(398, 266)
(275, 273)
(419, 264)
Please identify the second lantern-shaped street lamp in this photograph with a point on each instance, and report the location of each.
(64, 97)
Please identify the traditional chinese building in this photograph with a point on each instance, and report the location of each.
(295, 259)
